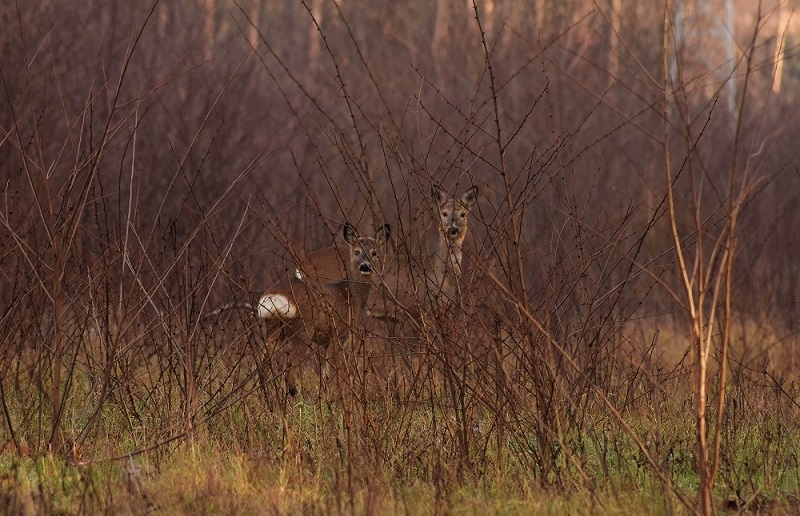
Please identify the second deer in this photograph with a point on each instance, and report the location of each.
(446, 262)
(429, 282)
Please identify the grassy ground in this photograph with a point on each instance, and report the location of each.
(323, 454)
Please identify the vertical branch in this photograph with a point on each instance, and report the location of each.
(515, 216)
(63, 246)
(694, 306)
(735, 201)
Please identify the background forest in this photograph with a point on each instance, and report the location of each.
(626, 331)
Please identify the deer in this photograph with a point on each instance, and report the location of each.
(431, 282)
(440, 271)
(445, 264)
(411, 287)
(424, 289)
(321, 310)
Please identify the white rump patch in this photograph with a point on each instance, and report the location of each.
(276, 306)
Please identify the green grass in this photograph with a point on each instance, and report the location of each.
(322, 453)
(305, 460)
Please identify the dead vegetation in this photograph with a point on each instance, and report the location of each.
(619, 328)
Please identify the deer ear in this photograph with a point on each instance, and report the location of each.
(437, 194)
(469, 197)
(383, 234)
(350, 234)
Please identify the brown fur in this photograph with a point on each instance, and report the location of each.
(319, 311)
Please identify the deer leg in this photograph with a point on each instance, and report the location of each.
(290, 351)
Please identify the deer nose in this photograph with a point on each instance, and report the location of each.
(365, 268)
(453, 232)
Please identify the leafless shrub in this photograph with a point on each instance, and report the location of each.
(628, 262)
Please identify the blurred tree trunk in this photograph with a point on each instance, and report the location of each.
(678, 35)
(439, 39)
(255, 16)
(451, 37)
(730, 56)
(162, 21)
(780, 31)
(488, 16)
(538, 17)
(208, 29)
(613, 41)
(314, 43)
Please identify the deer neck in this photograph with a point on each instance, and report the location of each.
(448, 256)
(360, 292)
(356, 292)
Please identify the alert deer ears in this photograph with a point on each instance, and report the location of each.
(469, 197)
(438, 195)
(383, 234)
(351, 235)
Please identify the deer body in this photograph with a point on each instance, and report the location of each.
(412, 285)
(327, 264)
(318, 311)
(445, 264)
(314, 309)
(420, 291)
(430, 282)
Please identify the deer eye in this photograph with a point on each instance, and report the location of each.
(462, 214)
(357, 252)
(444, 214)
(374, 253)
